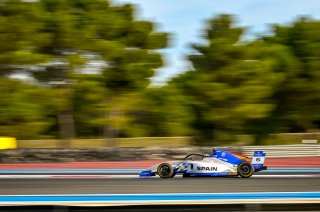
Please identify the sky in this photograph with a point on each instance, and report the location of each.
(185, 21)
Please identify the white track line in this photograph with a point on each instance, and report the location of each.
(65, 176)
(285, 176)
(129, 176)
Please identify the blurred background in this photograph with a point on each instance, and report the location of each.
(81, 73)
(92, 92)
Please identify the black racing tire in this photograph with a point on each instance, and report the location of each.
(165, 170)
(245, 170)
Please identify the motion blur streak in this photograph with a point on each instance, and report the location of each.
(171, 198)
(156, 185)
(83, 69)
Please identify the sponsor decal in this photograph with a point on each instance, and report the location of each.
(259, 154)
(223, 154)
(182, 166)
(206, 168)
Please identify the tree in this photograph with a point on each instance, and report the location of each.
(158, 112)
(227, 84)
(54, 40)
(18, 35)
(299, 96)
(89, 109)
(22, 112)
(129, 51)
(279, 65)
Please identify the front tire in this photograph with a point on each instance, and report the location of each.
(245, 170)
(165, 170)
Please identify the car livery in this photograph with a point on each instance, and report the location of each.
(219, 163)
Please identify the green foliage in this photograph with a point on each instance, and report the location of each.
(22, 112)
(298, 97)
(259, 87)
(53, 39)
(159, 112)
(88, 107)
(268, 85)
(18, 35)
(227, 86)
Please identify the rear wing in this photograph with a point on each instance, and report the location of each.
(258, 160)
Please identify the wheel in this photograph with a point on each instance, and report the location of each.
(165, 170)
(245, 170)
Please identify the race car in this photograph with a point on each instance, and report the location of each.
(219, 163)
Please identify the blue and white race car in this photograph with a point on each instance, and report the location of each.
(219, 163)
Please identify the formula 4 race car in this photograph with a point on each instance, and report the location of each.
(219, 163)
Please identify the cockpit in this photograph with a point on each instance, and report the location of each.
(195, 156)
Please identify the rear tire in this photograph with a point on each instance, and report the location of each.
(165, 170)
(245, 169)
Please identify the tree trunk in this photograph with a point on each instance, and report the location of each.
(108, 129)
(66, 121)
(66, 125)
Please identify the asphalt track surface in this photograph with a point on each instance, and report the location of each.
(156, 185)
